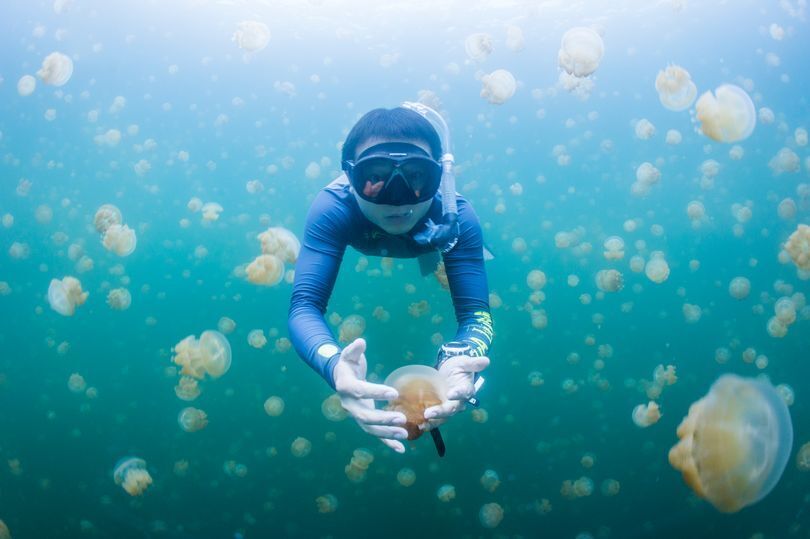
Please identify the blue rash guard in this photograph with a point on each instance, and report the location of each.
(335, 221)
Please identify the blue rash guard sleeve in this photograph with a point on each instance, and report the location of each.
(315, 273)
(467, 278)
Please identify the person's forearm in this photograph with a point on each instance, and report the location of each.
(313, 341)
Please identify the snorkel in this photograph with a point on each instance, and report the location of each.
(443, 236)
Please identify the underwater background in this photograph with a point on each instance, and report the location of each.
(198, 116)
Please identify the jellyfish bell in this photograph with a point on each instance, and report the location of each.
(728, 115)
(581, 51)
(734, 443)
(131, 474)
(56, 69)
(120, 239)
(675, 88)
(498, 87)
(478, 46)
(251, 36)
(419, 387)
(106, 216)
(280, 242)
(65, 295)
(216, 353)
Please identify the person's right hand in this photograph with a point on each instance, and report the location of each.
(357, 396)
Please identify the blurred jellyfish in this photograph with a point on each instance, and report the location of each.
(581, 51)
(301, 447)
(265, 270)
(610, 487)
(478, 46)
(351, 328)
(673, 137)
(326, 503)
(187, 388)
(26, 85)
(120, 239)
(56, 69)
(787, 209)
(665, 376)
(657, 269)
(76, 383)
(446, 493)
(5, 533)
(194, 205)
(785, 160)
(406, 477)
(274, 406)
(514, 38)
(728, 115)
(216, 353)
(280, 242)
(735, 443)
(645, 415)
(614, 248)
(65, 295)
(43, 214)
(119, 299)
(106, 216)
(332, 409)
(536, 279)
(131, 474)
(798, 247)
(609, 280)
(490, 480)
(256, 338)
(675, 88)
(251, 36)
(419, 387)
(803, 458)
(358, 466)
(498, 87)
(19, 251)
(490, 515)
(692, 313)
(644, 129)
(192, 419)
(210, 211)
(646, 176)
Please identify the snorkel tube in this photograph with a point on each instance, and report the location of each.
(443, 236)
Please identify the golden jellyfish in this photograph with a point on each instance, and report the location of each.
(798, 247)
(332, 409)
(803, 458)
(419, 387)
(734, 443)
(280, 242)
(265, 270)
(56, 69)
(498, 87)
(614, 248)
(65, 295)
(645, 415)
(256, 338)
(274, 406)
(728, 115)
(192, 419)
(358, 466)
(131, 474)
(490, 480)
(478, 46)
(251, 36)
(609, 280)
(187, 388)
(351, 328)
(76, 383)
(226, 325)
(120, 239)
(581, 51)
(216, 352)
(210, 211)
(301, 447)
(610, 487)
(536, 279)
(675, 88)
(665, 376)
(657, 269)
(106, 216)
(490, 515)
(26, 85)
(119, 299)
(446, 493)
(406, 477)
(327, 503)
(5, 533)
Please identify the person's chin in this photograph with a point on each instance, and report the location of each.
(397, 226)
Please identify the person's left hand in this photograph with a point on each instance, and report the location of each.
(459, 372)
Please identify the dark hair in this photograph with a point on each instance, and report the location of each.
(396, 123)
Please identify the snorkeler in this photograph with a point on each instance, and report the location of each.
(396, 198)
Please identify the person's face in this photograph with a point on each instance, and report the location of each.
(392, 219)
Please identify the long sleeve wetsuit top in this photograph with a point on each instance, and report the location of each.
(335, 221)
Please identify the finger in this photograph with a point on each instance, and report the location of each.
(393, 444)
(468, 363)
(366, 390)
(371, 416)
(462, 391)
(354, 351)
(444, 410)
(397, 433)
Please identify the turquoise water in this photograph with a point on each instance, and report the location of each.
(224, 107)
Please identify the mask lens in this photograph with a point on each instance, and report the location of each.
(371, 175)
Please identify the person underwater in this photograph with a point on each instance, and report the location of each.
(395, 198)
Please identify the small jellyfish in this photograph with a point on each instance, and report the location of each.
(106, 216)
(498, 87)
(56, 69)
(120, 239)
(265, 270)
(216, 353)
(490, 480)
(119, 299)
(609, 280)
(210, 211)
(798, 247)
(419, 387)
(192, 419)
(5, 533)
(536, 279)
(256, 338)
(332, 409)
(274, 406)
(76, 383)
(65, 295)
(131, 474)
(734, 443)
(351, 328)
(251, 36)
(327, 503)
(446, 493)
(644, 129)
(657, 269)
(226, 325)
(728, 115)
(645, 415)
(614, 248)
(581, 51)
(478, 46)
(301, 447)
(490, 515)
(187, 388)
(406, 477)
(803, 458)
(280, 242)
(675, 88)
(26, 85)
